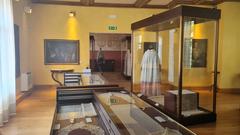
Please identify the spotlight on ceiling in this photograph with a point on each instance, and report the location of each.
(72, 13)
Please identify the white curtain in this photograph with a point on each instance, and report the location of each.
(7, 62)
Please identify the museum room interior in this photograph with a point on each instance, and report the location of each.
(119, 67)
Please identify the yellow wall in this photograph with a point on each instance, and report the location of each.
(202, 77)
(229, 45)
(53, 22)
(21, 19)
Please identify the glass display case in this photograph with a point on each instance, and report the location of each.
(110, 111)
(175, 62)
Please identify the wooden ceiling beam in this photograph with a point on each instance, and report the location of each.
(69, 3)
(141, 3)
(138, 3)
(174, 3)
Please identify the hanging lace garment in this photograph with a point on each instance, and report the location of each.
(150, 75)
(128, 64)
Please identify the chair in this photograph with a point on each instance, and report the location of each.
(72, 79)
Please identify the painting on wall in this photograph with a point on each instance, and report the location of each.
(59, 51)
(199, 53)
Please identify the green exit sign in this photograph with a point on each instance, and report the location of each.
(112, 27)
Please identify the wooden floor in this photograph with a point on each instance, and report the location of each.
(34, 114)
(228, 117)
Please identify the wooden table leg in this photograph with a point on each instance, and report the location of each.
(53, 77)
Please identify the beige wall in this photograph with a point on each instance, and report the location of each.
(21, 19)
(229, 45)
(53, 22)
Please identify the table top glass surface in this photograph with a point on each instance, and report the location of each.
(92, 79)
(133, 116)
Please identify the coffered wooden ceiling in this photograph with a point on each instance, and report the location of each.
(131, 3)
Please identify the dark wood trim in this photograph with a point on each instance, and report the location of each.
(229, 90)
(88, 86)
(214, 92)
(137, 4)
(57, 2)
(23, 96)
(113, 5)
(54, 119)
(180, 75)
(174, 3)
(68, 3)
(208, 13)
(157, 18)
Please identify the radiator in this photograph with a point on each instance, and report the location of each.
(26, 81)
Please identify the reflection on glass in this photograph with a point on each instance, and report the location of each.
(156, 70)
(92, 79)
(157, 65)
(150, 75)
(198, 52)
(137, 117)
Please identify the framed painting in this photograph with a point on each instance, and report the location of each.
(199, 53)
(61, 52)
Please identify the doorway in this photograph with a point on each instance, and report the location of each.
(113, 49)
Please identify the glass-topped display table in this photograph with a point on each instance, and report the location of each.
(113, 111)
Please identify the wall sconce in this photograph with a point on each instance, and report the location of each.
(72, 14)
(28, 10)
(192, 28)
(140, 42)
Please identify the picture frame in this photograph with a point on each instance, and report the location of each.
(61, 52)
(199, 53)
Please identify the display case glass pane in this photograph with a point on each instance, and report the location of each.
(156, 53)
(198, 65)
(133, 116)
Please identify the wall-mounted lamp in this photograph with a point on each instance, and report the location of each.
(140, 42)
(28, 10)
(192, 28)
(72, 14)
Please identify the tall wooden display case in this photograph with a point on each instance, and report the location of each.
(175, 56)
